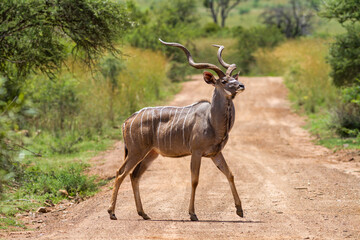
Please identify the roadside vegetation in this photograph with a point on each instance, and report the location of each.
(71, 72)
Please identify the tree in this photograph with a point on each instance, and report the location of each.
(344, 56)
(342, 11)
(344, 59)
(38, 35)
(220, 6)
(293, 19)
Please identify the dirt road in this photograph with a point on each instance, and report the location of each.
(290, 188)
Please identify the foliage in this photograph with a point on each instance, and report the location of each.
(343, 11)
(35, 34)
(39, 36)
(250, 40)
(10, 167)
(344, 57)
(293, 20)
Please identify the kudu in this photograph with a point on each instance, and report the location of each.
(200, 130)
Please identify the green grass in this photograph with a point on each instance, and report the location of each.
(10, 224)
(45, 175)
(318, 125)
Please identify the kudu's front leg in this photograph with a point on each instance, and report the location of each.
(220, 162)
(195, 170)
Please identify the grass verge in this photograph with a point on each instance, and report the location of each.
(319, 125)
(45, 176)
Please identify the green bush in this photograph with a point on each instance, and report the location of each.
(70, 178)
(10, 167)
(211, 28)
(346, 116)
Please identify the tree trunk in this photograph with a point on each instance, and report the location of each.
(213, 12)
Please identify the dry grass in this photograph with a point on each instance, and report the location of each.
(303, 64)
(143, 82)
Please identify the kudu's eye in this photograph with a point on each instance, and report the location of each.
(223, 81)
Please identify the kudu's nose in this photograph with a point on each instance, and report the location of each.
(241, 87)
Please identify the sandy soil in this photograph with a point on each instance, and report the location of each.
(290, 188)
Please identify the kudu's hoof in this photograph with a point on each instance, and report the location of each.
(193, 217)
(239, 211)
(112, 215)
(144, 216)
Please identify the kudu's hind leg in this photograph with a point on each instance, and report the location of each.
(223, 167)
(131, 160)
(135, 178)
(195, 170)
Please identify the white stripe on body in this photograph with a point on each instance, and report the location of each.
(131, 126)
(152, 121)
(183, 127)
(171, 109)
(158, 140)
(147, 120)
(172, 123)
(142, 115)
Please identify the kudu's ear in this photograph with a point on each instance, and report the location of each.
(236, 76)
(209, 78)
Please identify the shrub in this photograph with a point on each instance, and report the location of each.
(70, 178)
(211, 28)
(346, 116)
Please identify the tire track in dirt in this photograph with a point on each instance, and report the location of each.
(288, 186)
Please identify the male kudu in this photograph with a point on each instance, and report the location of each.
(200, 130)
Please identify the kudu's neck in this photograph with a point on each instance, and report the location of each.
(222, 114)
